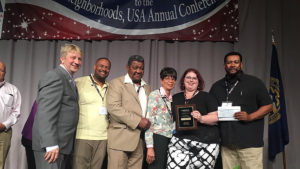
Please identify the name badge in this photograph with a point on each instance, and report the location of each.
(102, 111)
(226, 111)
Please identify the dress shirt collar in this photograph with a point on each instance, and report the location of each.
(163, 93)
(105, 85)
(127, 79)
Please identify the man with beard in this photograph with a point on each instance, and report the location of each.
(126, 104)
(91, 135)
(242, 140)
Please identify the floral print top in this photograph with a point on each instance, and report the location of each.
(160, 114)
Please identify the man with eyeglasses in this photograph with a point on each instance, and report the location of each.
(242, 135)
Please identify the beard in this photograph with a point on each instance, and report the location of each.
(233, 76)
(136, 81)
(99, 78)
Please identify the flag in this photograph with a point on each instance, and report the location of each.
(278, 127)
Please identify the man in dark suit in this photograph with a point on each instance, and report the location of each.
(54, 127)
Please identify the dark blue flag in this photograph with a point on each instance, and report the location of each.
(278, 127)
(1, 9)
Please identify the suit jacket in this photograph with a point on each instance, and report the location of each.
(125, 114)
(57, 114)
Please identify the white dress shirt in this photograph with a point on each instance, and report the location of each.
(10, 104)
(141, 93)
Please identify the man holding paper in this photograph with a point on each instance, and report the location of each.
(243, 102)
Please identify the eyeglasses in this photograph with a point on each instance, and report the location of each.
(233, 61)
(191, 78)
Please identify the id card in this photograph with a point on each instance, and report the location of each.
(102, 111)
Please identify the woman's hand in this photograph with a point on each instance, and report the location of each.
(150, 155)
(197, 115)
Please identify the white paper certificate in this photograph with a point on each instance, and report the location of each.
(226, 112)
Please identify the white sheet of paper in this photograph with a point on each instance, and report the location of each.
(102, 111)
(226, 112)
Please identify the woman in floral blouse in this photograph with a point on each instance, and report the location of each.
(159, 113)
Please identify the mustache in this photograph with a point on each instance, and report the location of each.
(232, 68)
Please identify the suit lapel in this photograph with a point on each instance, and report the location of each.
(69, 81)
(132, 91)
(147, 90)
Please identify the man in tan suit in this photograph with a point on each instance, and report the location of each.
(126, 104)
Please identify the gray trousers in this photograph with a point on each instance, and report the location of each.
(63, 161)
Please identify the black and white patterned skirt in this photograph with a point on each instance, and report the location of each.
(188, 154)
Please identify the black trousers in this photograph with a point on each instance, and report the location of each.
(160, 149)
(29, 153)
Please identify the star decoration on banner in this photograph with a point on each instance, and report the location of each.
(24, 25)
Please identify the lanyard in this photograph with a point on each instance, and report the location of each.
(186, 101)
(95, 85)
(164, 99)
(138, 90)
(228, 92)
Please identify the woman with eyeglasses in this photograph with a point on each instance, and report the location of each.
(157, 137)
(199, 147)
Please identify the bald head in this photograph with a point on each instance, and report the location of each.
(2, 71)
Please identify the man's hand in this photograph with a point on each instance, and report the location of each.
(243, 116)
(150, 155)
(144, 123)
(2, 127)
(51, 156)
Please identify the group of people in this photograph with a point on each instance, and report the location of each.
(75, 123)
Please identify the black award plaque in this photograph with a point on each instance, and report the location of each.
(184, 119)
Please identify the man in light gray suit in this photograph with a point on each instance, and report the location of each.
(54, 127)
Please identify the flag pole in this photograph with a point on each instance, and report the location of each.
(283, 159)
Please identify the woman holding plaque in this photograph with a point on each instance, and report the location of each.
(157, 137)
(196, 141)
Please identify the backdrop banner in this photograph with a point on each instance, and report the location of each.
(201, 20)
(1, 14)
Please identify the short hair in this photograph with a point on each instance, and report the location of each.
(137, 58)
(233, 53)
(105, 58)
(168, 71)
(199, 77)
(68, 48)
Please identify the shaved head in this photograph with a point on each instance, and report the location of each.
(2, 71)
